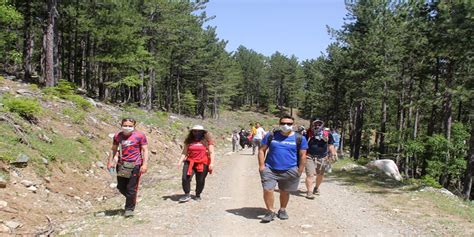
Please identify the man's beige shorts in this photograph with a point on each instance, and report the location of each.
(314, 166)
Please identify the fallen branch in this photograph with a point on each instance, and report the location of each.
(19, 130)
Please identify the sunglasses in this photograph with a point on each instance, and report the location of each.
(286, 124)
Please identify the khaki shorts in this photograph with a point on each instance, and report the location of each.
(314, 166)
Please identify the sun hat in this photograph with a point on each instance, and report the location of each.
(198, 127)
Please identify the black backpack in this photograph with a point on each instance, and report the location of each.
(299, 138)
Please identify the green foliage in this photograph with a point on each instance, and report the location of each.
(25, 107)
(66, 90)
(189, 103)
(76, 116)
(79, 101)
(430, 181)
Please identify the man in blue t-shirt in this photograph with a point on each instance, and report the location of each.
(283, 165)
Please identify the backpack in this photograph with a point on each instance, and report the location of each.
(299, 138)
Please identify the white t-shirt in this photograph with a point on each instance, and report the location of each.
(260, 133)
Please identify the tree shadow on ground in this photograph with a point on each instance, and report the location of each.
(248, 212)
(174, 197)
(112, 212)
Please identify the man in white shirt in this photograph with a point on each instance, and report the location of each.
(257, 139)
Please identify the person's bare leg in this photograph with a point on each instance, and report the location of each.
(309, 183)
(269, 199)
(284, 198)
(319, 180)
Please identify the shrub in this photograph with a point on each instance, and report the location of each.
(76, 116)
(27, 108)
(79, 101)
(65, 90)
(430, 181)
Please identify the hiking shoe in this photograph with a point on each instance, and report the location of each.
(316, 191)
(128, 213)
(282, 215)
(185, 198)
(197, 198)
(268, 217)
(309, 195)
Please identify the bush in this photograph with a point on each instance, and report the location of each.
(65, 90)
(27, 108)
(78, 101)
(77, 117)
(430, 181)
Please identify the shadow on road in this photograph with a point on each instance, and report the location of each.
(174, 197)
(248, 212)
(113, 212)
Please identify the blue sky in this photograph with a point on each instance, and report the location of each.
(289, 26)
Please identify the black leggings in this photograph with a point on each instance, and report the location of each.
(200, 178)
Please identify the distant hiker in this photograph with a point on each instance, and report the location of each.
(257, 138)
(198, 159)
(132, 162)
(235, 140)
(337, 139)
(244, 140)
(253, 131)
(283, 165)
(301, 130)
(320, 152)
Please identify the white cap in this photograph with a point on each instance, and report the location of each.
(198, 127)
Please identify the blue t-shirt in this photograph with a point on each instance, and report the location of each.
(282, 151)
(337, 138)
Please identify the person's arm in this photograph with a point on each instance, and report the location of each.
(144, 167)
(332, 152)
(113, 152)
(302, 162)
(261, 157)
(183, 156)
(211, 157)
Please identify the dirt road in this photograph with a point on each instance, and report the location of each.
(232, 205)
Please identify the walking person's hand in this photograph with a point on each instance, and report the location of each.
(261, 168)
(143, 168)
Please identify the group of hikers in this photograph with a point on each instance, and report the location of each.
(283, 155)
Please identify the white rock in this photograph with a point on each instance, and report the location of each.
(12, 224)
(388, 167)
(3, 204)
(4, 229)
(113, 185)
(100, 165)
(306, 226)
(32, 188)
(26, 183)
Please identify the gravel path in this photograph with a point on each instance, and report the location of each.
(232, 205)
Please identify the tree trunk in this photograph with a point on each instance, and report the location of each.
(383, 123)
(49, 70)
(447, 120)
(151, 82)
(358, 130)
(468, 191)
(28, 43)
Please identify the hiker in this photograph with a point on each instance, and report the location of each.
(337, 139)
(283, 165)
(243, 138)
(235, 140)
(198, 159)
(257, 138)
(320, 154)
(132, 162)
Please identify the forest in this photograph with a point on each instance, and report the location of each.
(397, 79)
